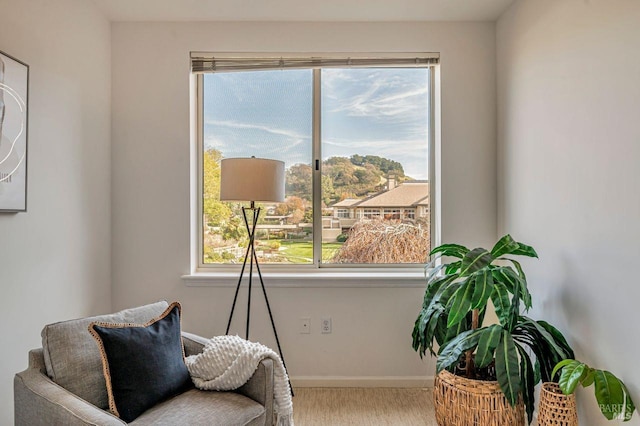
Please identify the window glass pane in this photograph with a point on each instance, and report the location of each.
(266, 114)
(375, 151)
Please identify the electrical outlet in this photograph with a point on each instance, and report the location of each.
(305, 325)
(325, 325)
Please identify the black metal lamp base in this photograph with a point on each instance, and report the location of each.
(251, 256)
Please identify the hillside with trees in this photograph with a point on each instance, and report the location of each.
(353, 177)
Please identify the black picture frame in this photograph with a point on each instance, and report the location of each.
(14, 133)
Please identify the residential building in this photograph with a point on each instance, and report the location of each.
(407, 201)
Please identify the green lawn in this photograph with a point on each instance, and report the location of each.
(302, 251)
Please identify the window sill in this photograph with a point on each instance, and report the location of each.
(360, 279)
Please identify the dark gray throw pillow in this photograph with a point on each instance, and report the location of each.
(143, 364)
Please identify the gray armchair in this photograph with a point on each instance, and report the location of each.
(63, 384)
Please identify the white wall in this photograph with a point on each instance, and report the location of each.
(55, 259)
(569, 145)
(371, 327)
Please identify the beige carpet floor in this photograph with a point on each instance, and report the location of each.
(363, 406)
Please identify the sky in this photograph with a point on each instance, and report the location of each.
(366, 111)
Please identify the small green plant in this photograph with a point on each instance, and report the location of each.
(342, 238)
(612, 395)
(274, 245)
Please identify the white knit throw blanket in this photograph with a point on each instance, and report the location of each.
(228, 362)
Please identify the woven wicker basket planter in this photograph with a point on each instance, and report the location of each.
(464, 402)
(556, 408)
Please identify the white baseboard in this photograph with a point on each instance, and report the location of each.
(362, 382)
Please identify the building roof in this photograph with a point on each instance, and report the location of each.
(408, 194)
(347, 202)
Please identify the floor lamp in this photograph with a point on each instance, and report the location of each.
(253, 180)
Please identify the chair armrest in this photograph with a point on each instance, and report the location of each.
(193, 344)
(40, 401)
(260, 385)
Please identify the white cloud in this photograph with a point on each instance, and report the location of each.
(238, 125)
(381, 94)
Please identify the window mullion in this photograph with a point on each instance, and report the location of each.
(317, 169)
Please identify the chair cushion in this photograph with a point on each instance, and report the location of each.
(196, 407)
(72, 357)
(143, 364)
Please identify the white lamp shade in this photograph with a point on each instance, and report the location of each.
(251, 179)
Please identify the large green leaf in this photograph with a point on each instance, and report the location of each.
(558, 346)
(475, 260)
(505, 245)
(430, 329)
(446, 294)
(571, 375)
(453, 267)
(441, 295)
(461, 304)
(525, 250)
(507, 367)
(524, 290)
(441, 331)
(424, 329)
(436, 297)
(545, 359)
(453, 332)
(629, 406)
(435, 286)
(589, 378)
(547, 349)
(422, 339)
(536, 371)
(507, 276)
(558, 337)
(560, 365)
(501, 302)
(487, 344)
(612, 396)
(528, 377)
(451, 353)
(453, 250)
(514, 311)
(483, 286)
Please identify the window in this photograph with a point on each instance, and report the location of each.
(371, 213)
(391, 214)
(342, 213)
(353, 139)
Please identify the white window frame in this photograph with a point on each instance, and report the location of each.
(326, 274)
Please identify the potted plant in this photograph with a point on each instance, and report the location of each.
(612, 395)
(511, 356)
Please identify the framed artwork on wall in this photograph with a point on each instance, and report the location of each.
(14, 94)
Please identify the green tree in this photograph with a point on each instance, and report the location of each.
(233, 228)
(341, 170)
(215, 211)
(298, 181)
(328, 192)
(385, 165)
